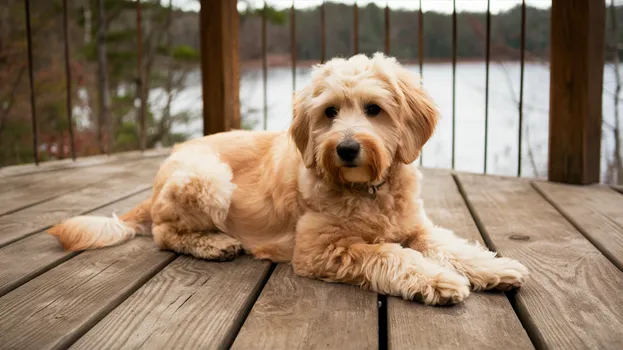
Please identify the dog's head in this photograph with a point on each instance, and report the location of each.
(359, 116)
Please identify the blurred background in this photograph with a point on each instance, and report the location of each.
(495, 113)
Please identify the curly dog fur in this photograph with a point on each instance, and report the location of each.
(337, 195)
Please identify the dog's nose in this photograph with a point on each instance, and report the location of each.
(348, 150)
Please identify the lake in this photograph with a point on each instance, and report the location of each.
(502, 157)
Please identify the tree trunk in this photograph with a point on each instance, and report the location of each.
(618, 162)
(140, 89)
(170, 71)
(102, 83)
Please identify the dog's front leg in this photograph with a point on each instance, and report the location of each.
(483, 268)
(324, 250)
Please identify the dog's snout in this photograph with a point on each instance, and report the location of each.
(348, 150)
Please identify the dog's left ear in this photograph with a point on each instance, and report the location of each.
(300, 130)
(419, 117)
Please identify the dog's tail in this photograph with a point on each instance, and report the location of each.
(90, 232)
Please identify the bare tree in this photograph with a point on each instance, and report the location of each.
(614, 172)
(102, 83)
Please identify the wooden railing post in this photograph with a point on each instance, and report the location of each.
(576, 82)
(218, 26)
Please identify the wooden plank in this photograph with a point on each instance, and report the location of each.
(218, 21)
(191, 304)
(12, 183)
(25, 222)
(64, 164)
(66, 182)
(483, 321)
(300, 313)
(597, 211)
(573, 297)
(30, 257)
(56, 308)
(576, 83)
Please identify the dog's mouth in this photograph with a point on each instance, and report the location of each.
(350, 165)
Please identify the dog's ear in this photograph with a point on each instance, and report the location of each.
(300, 130)
(419, 117)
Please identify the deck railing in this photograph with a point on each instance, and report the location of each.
(420, 43)
(577, 43)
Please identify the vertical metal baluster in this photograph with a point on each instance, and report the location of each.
(454, 53)
(31, 79)
(356, 28)
(487, 59)
(323, 48)
(264, 68)
(141, 79)
(293, 45)
(421, 56)
(387, 29)
(521, 83)
(68, 102)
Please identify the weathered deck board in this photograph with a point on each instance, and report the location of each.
(137, 177)
(300, 313)
(597, 211)
(573, 298)
(21, 261)
(67, 182)
(10, 184)
(191, 304)
(54, 309)
(54, 165)
(483, 321)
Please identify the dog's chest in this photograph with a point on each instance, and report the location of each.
(374, 222)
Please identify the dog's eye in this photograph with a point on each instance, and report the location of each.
(372, 110)
(331, 112)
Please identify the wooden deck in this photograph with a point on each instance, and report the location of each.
(135, 296)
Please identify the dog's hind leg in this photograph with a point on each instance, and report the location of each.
(202, 245)
(191, 209)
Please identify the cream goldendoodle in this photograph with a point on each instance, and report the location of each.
(341, 202)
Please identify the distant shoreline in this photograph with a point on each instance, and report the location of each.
(286, 62)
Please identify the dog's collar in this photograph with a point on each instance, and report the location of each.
(368, 190)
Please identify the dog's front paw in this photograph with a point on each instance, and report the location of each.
(447, 287)
(501, 274)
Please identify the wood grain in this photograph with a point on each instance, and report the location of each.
(483, 321)
(618, 188)
(12, 183)
(137, 177)
(576, 83)
(191, 304)
(300, 313)
(597, 211)
(70, 181)
(54, 309)
(23, 260)
(573, 298)
(64, 164)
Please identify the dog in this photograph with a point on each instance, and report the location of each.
(337, 195)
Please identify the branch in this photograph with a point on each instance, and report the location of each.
(606, 124)
(11, 98)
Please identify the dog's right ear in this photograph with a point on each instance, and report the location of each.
(300, 130)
